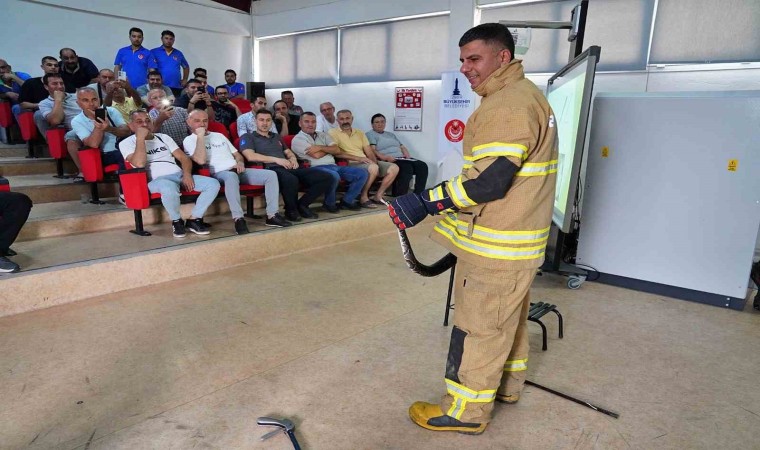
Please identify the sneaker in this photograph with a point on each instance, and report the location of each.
(277, 221)
(307, 213)
(430, 416)
(196, 226)
(331, 209)
(508, 399)
(8, 266)
(292, 216)
(122, 200)
(352, 206)
(178, 228)
(240, 226)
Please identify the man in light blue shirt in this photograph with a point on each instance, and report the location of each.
(169, 61)
(98, 133)
(135, 59)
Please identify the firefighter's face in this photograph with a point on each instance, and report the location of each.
(480, 60)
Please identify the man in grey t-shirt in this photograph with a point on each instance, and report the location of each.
(389, 148)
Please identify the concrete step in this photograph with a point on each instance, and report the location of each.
(46, 188)
(64, 269)
(20, 165)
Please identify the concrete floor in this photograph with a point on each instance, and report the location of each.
(341, 340)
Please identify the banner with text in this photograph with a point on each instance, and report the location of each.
(457, 103)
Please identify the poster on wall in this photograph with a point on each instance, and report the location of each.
(408, 115)
(457, 103)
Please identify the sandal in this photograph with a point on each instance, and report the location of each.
(369, 205)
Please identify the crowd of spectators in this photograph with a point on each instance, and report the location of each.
(148, 113)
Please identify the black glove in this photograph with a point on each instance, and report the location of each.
(408, 210)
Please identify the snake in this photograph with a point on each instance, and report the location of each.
(442, 265)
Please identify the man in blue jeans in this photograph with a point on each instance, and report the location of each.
(156, 152)
(319, 148)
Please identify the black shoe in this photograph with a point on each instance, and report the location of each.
(278, 221)
(8, 252)
(307, 213)
(754, 274)
(8, 266)
(756, 303)
(331, 209)
(240, 226)
(196, 226)
(352, 206)
(178, 228)
(292, 216)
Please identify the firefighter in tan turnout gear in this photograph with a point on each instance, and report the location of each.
(496, 218)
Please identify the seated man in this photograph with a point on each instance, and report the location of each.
(77, 71)
(226, 111)
(14, 210)
(228, 166)
(318, 148)
(105, 76)
(195, 97)
(121, 96)
(266, 147)
(59, 109)
(155, 81)
(355, 147)
(387, 147)
(235, 90)
(167, 119)
(288, 98)
(201, 75)
(157, 153)
(246, 123)
(33, 91)
(95, 132)
(286, 123)
(326, 121)
(10, 85)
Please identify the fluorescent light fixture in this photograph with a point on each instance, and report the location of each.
(514, 3)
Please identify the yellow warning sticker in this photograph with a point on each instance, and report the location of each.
(733, 165)
(605, 152)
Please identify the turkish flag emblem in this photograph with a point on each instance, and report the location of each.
(454, 130)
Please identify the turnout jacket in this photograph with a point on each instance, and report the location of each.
(509, 232)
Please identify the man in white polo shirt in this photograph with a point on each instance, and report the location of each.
(156, 153)
(228, 166)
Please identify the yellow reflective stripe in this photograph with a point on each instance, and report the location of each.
(457, 408)
(538, 169)
(516, 365)
(487, 250)
(457, 390)
(499, 236)
(459, 196)
(499, 149)
(436, 194)
(467, 166)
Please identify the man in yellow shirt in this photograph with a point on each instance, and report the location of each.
(121, 96)
(355, 147)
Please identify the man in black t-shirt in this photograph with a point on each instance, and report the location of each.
(225, 111)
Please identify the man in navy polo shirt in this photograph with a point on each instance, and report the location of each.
(135, 59)
(234, 89)
(169, 61)
(77, 71)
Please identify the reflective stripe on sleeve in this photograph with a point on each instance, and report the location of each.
(499, 149)
(538, 169)
(458, 194)
(488, 250)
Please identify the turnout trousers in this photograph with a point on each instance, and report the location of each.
(488, 352)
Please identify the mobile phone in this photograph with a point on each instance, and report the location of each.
(122, 75)
(167, 103)
(100, 113)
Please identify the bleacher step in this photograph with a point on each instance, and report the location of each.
(45, 188)
(166, 258)
(20, 165)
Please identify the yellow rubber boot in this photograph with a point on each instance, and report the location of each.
(430, 416)
(508, 399)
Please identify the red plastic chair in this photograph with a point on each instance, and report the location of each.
(288, 140)
(5, 186)
(28, 131)
(233, 132)
(57, 148)
(93, 170)
(243, 105)
(218, 128)
(6, 117)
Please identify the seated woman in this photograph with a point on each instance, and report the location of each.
(388, 148)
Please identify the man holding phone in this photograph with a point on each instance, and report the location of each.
(99, 127)
(166, 118)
